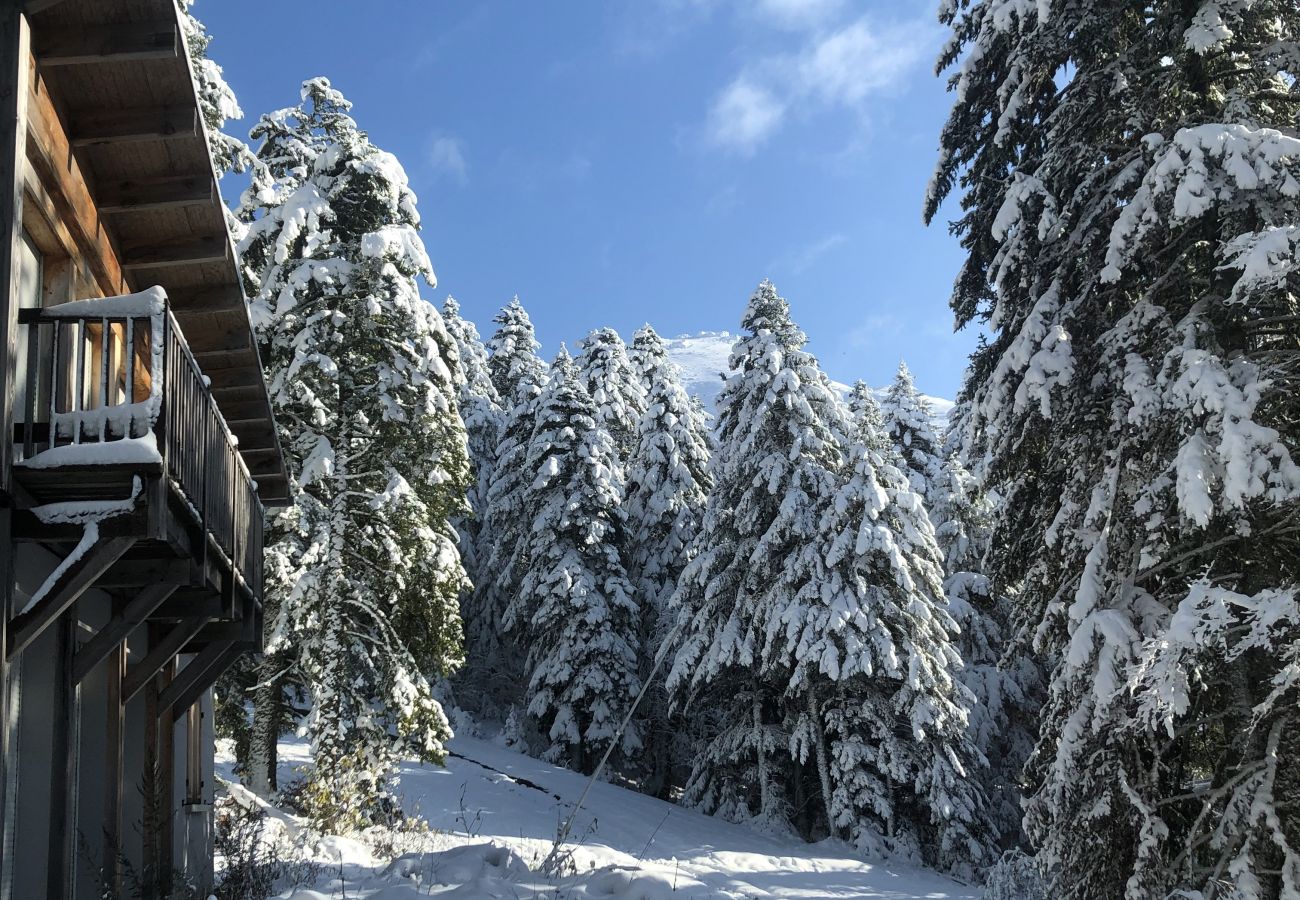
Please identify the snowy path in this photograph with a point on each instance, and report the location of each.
(631, 846)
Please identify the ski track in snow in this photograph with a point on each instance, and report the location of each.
(493, 814)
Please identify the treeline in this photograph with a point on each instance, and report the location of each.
(790, 590)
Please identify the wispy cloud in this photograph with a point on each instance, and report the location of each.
(837, 68)
(797, 13)
(744, 115)
(805, 258)
(447, 157)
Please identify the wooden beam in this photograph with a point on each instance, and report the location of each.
(133, 574)
(185, 302)
(147, 195)
(14, 73)
(66, 589)
(59, 185)
(190, 252)
(35, 7)
(130, 124)
(208, 604)
(197, 676)
(90, 45)
(160, 653)
(118, 629)
(59, 861)
(114, 770)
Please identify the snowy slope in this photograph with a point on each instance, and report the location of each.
(494, 812)
(703, 360)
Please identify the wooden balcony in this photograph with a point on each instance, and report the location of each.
(122, 452)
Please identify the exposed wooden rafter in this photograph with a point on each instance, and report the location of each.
(151, 194)
(106, 43)
(138, 123)
(159, 655)
(213, 249)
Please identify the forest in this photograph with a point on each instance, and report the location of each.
(1048, 643)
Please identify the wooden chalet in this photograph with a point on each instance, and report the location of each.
(142, 453)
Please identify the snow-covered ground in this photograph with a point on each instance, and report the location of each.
(493, 814)
(703, 360)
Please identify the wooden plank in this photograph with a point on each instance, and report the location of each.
(63, 186)
(135, 573)
(14, 72)
(35, 7)
(160, 653)
(114, 771)
(185, 302)
(150, 194)
(198, 675)
(107, 43)
(190, 252)
(65, 591)
(63, 764)
(92, 127)
(119, 628)
(207, 603)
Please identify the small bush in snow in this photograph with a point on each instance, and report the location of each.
(1014, 877)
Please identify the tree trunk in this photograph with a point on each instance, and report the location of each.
(823, 765)
(268, 714)
(764, 789)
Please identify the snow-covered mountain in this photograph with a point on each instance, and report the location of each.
(703, 360)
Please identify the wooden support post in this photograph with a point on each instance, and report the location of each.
(161, 654)
(197, 676)
(15, 41)
(167, 783)
(113, 770)
(67, 588)
(119, 628)
(60, 862)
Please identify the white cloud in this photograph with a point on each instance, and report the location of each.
(798, 13)
(447, 156)
(837, 68)
(804, 259)
(744, 115)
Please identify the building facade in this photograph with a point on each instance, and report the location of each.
(142, 454)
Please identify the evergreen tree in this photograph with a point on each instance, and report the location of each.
(873, 672)
(576, 604)
(217, 102)
(480, 408)
(612, 382)
(772, 475)
(668, 481)
(519, 376)
(909, 421)
(363, 575)
(1129, 191)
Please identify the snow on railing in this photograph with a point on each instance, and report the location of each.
(112, 381)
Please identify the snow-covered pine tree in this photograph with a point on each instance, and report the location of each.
(217, 101)
(1130, 195)
(575, 604)
(519, 376)
(773, 473)
(611, 380)
(909, 422)
(873, 674)
(668, 481)
(363, 574)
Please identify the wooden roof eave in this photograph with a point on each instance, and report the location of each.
(182, 243)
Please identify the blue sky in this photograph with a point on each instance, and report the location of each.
(614, 162)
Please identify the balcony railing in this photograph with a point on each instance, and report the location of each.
(112, 381)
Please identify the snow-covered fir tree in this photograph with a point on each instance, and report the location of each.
(861, 629)
(497, 675)
(773, 473)
(1129, 181)
(575, 604)
(668, 481)
(363, 575)
(217, 101)
(611, 380)
(909, 422)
